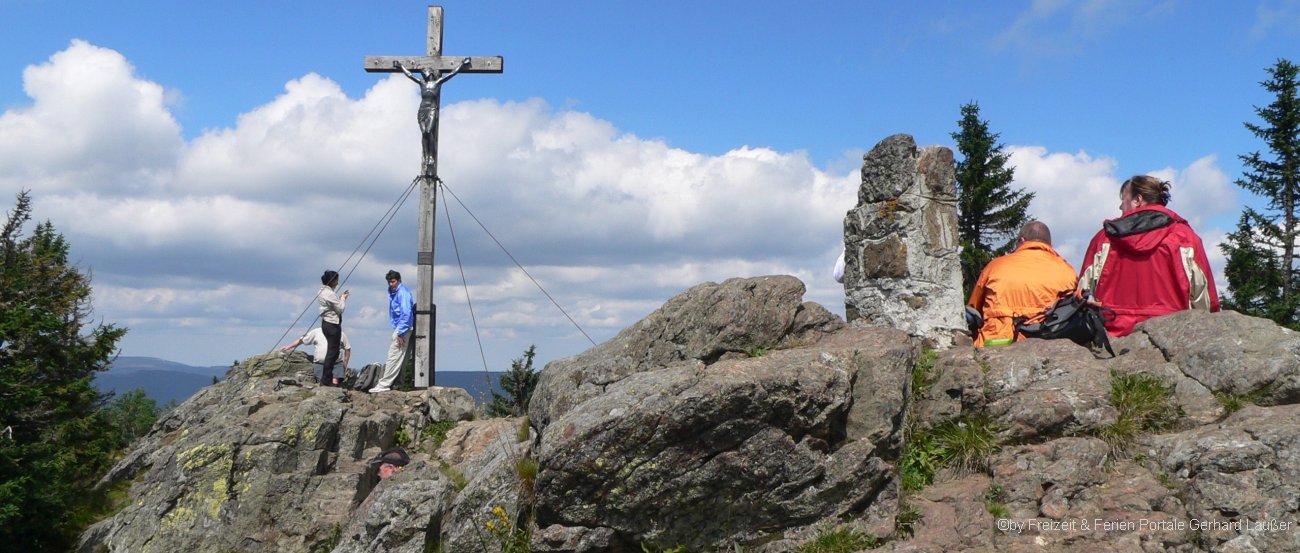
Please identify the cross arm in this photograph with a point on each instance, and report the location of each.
(477, 64)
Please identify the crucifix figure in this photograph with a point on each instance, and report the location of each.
(430, 100)
(434, 69)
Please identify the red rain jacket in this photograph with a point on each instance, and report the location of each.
(1146, 264)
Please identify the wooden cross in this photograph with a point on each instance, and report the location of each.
(432, 64)
(433, 58)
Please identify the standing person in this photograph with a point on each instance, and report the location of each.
(316, 337)
(1148, 262)
(331, 319)
(1019, 284)
(401, 313)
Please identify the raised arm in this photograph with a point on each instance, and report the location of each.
(408, 74)
(463, 64)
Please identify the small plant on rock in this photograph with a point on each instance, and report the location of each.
(511, 536)
(526, 470)
(1236, 402)
(524, 432)
(456, 477)
(964, 444)
(1145, 404)
(968, 443)
(905, 522)
(437, 432)
(995, 502)
(924, 373)
(841, 540)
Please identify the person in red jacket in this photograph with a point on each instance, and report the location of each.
(1148, 262)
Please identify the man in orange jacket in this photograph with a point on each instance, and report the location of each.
(1020, 284)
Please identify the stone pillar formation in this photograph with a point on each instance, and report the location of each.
(902, 268)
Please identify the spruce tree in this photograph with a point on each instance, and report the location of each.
(60, 444)
(518, 384)
(1261, 256)
(989, 212)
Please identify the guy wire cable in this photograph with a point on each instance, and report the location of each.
(517, 264)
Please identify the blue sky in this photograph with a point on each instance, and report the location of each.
(208, 160)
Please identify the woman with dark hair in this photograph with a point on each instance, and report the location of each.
(1148, 262)
(331, 322)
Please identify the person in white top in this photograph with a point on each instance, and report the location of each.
(316, 337)
(838, 272)
(331, 319)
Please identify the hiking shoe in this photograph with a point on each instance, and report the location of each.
(380, 390)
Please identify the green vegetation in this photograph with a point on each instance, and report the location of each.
(963, 444)
(437, 432)
(457, 477)
(330, 542)
(511, 536)
(841, 540)
(524, 432)
(1263, 278)
(905, 522)
(54, 445)
(1145, 404)
(924, 374)
(1235, 402)
(130, 416)
(995, 502)
(526, 470)
(402, 438)
(518, 384)
(989, 212)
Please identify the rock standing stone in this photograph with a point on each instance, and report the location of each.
(902, 268)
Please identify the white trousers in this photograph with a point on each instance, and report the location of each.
(396, 358)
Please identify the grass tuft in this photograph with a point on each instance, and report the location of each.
(840, 540)
(1145, 404)
(964, 444)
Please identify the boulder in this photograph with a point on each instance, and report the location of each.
(704, 324)
(698, 456)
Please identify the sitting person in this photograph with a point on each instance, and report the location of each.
(1149, 261)
(390, 462)
(316, 337)
(1019, 284)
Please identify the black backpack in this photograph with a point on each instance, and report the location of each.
(368, 377)
(1074, 316)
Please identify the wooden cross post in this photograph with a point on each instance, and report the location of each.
(431, 67)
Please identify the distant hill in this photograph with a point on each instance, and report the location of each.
(161, 380)
(164, 380)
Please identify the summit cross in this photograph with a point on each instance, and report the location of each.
(433, 69)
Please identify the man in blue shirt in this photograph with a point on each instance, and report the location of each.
(401, 313)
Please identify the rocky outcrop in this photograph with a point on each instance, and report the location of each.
(707, 323)
(1203, 483)
(901, 265)
(738, 417)
(264, 462)
(698, 456)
